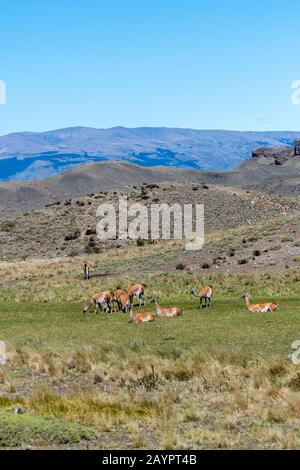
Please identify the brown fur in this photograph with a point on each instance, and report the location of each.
(261, 308)
(205, 294)
(141, 317)
(166, 312)
(100, 300)
(137, 290)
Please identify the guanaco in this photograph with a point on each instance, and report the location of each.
(166, 312)
(138, 290)
(87, 270)
(205, 294)
(141, 317)
(266, 307)
(102, 300)
(122, 300)
(156, 241)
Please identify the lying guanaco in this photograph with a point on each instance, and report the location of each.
(138, 290)
(166, 312)
(266, 307)
(141, 317)
(205, 294)
(101, 300)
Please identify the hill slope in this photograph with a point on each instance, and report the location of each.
(27, 156)
(260, 174)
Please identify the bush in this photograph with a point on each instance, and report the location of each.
(256, 253)
(72, 235)
(180, 266)
(140, 242)
(91, 231)
(242, 261)
(205, 266)
(19, 430)
(8, 225)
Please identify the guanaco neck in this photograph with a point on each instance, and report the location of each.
(131, 314)
(157, 307)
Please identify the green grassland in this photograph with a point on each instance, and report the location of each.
(216, 377)
(226, 327)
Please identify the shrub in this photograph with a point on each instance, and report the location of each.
(19, 430)
(72, 235)
(140, 242)
(205, 266)
(8, 225)
(91, 231)
(180, 266)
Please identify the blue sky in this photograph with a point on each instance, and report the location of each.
(196, 63)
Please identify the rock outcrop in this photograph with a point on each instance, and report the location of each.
(277, 155)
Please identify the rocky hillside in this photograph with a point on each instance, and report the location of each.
(67, 227)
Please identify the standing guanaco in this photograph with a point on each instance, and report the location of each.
(266, 307)
(138, 290)
(166, 312)
(141, 317)
(121, 298)
(87, 270)
(118, 295)
(102, 300)
(205, 294)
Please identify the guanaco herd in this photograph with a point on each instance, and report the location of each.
(122, 300)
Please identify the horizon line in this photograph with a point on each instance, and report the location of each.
(147, 127)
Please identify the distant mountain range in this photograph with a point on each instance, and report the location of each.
(34, 156)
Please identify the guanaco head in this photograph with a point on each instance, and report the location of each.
(126, 307)
(86, 307)
(246, 297)
(193, 291)
(154, 301)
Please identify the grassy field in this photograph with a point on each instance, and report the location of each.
(226, 327)
(213, 378)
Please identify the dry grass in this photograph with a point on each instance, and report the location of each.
(215, 404)
(220, 379)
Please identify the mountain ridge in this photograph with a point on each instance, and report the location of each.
(38, 155)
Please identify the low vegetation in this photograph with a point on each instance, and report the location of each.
(218, 377)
